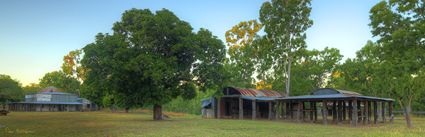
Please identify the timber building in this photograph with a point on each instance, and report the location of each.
(51, 99)
(325, 105)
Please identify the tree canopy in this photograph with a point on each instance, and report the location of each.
(10, 90)
(285, 22)
(400, 27)
(152, 58)
(60, 80)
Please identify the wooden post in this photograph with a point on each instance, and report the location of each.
(344, 111)
(302, 110)
(298, 115)
(354, 113)
(375, 112)
(277, 108)
(383, 112)
(334, 115)
(270, 110)
(311, 111)
(284, 109)
(390, 111)
(365, 113)
(254, 110)
(291, 108)
(325, 112)
(240, 108)
(219, 108)
(315, 111)
(350, 110)
(367, 105)
(339, 114)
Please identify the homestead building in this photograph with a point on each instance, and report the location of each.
(325, 105)
(51, 99)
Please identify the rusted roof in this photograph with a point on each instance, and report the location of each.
(250, 92)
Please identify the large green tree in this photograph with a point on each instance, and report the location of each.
(285, 22)
(312, 69)
(60, 80)
(400, 28)
(10, 90)
(152, 58)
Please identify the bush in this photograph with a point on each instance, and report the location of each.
(192, 106)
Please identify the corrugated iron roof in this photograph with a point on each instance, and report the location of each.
(347, 92)
(333, 96)
(254, 92)
(329, 91)
(48, 102)
(53, 92)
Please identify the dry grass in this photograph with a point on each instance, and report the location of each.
(139, 123)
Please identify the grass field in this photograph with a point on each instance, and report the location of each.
(98, 124)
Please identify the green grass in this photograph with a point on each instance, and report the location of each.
(82, 124)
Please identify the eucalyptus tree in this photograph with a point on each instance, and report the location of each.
(399, 26)
(243, 53)
(285, 22)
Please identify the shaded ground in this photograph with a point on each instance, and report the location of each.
(84, 124)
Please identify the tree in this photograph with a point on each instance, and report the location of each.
(364, 73)
(151, 59)
(71, 65)
(60, 80)
(242, 53)
(31, 88)
(208, 68)
(285, 22)
(10, 90)
(312, 69)
(399, 25)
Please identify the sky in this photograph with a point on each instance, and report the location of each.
(36, 34)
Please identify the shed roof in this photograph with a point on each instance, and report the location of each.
(330, 93)
(251, 93)
(53, 93)
(207, 102)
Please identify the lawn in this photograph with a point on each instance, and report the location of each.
(82, 124)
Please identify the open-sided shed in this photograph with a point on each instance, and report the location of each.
(343, 106)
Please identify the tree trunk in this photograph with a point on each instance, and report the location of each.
(157, 112)
(126, 109)
(407, 110)
(288, 82)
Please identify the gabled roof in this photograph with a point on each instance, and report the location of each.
(245, 92)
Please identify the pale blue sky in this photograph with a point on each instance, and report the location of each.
(36, 34)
